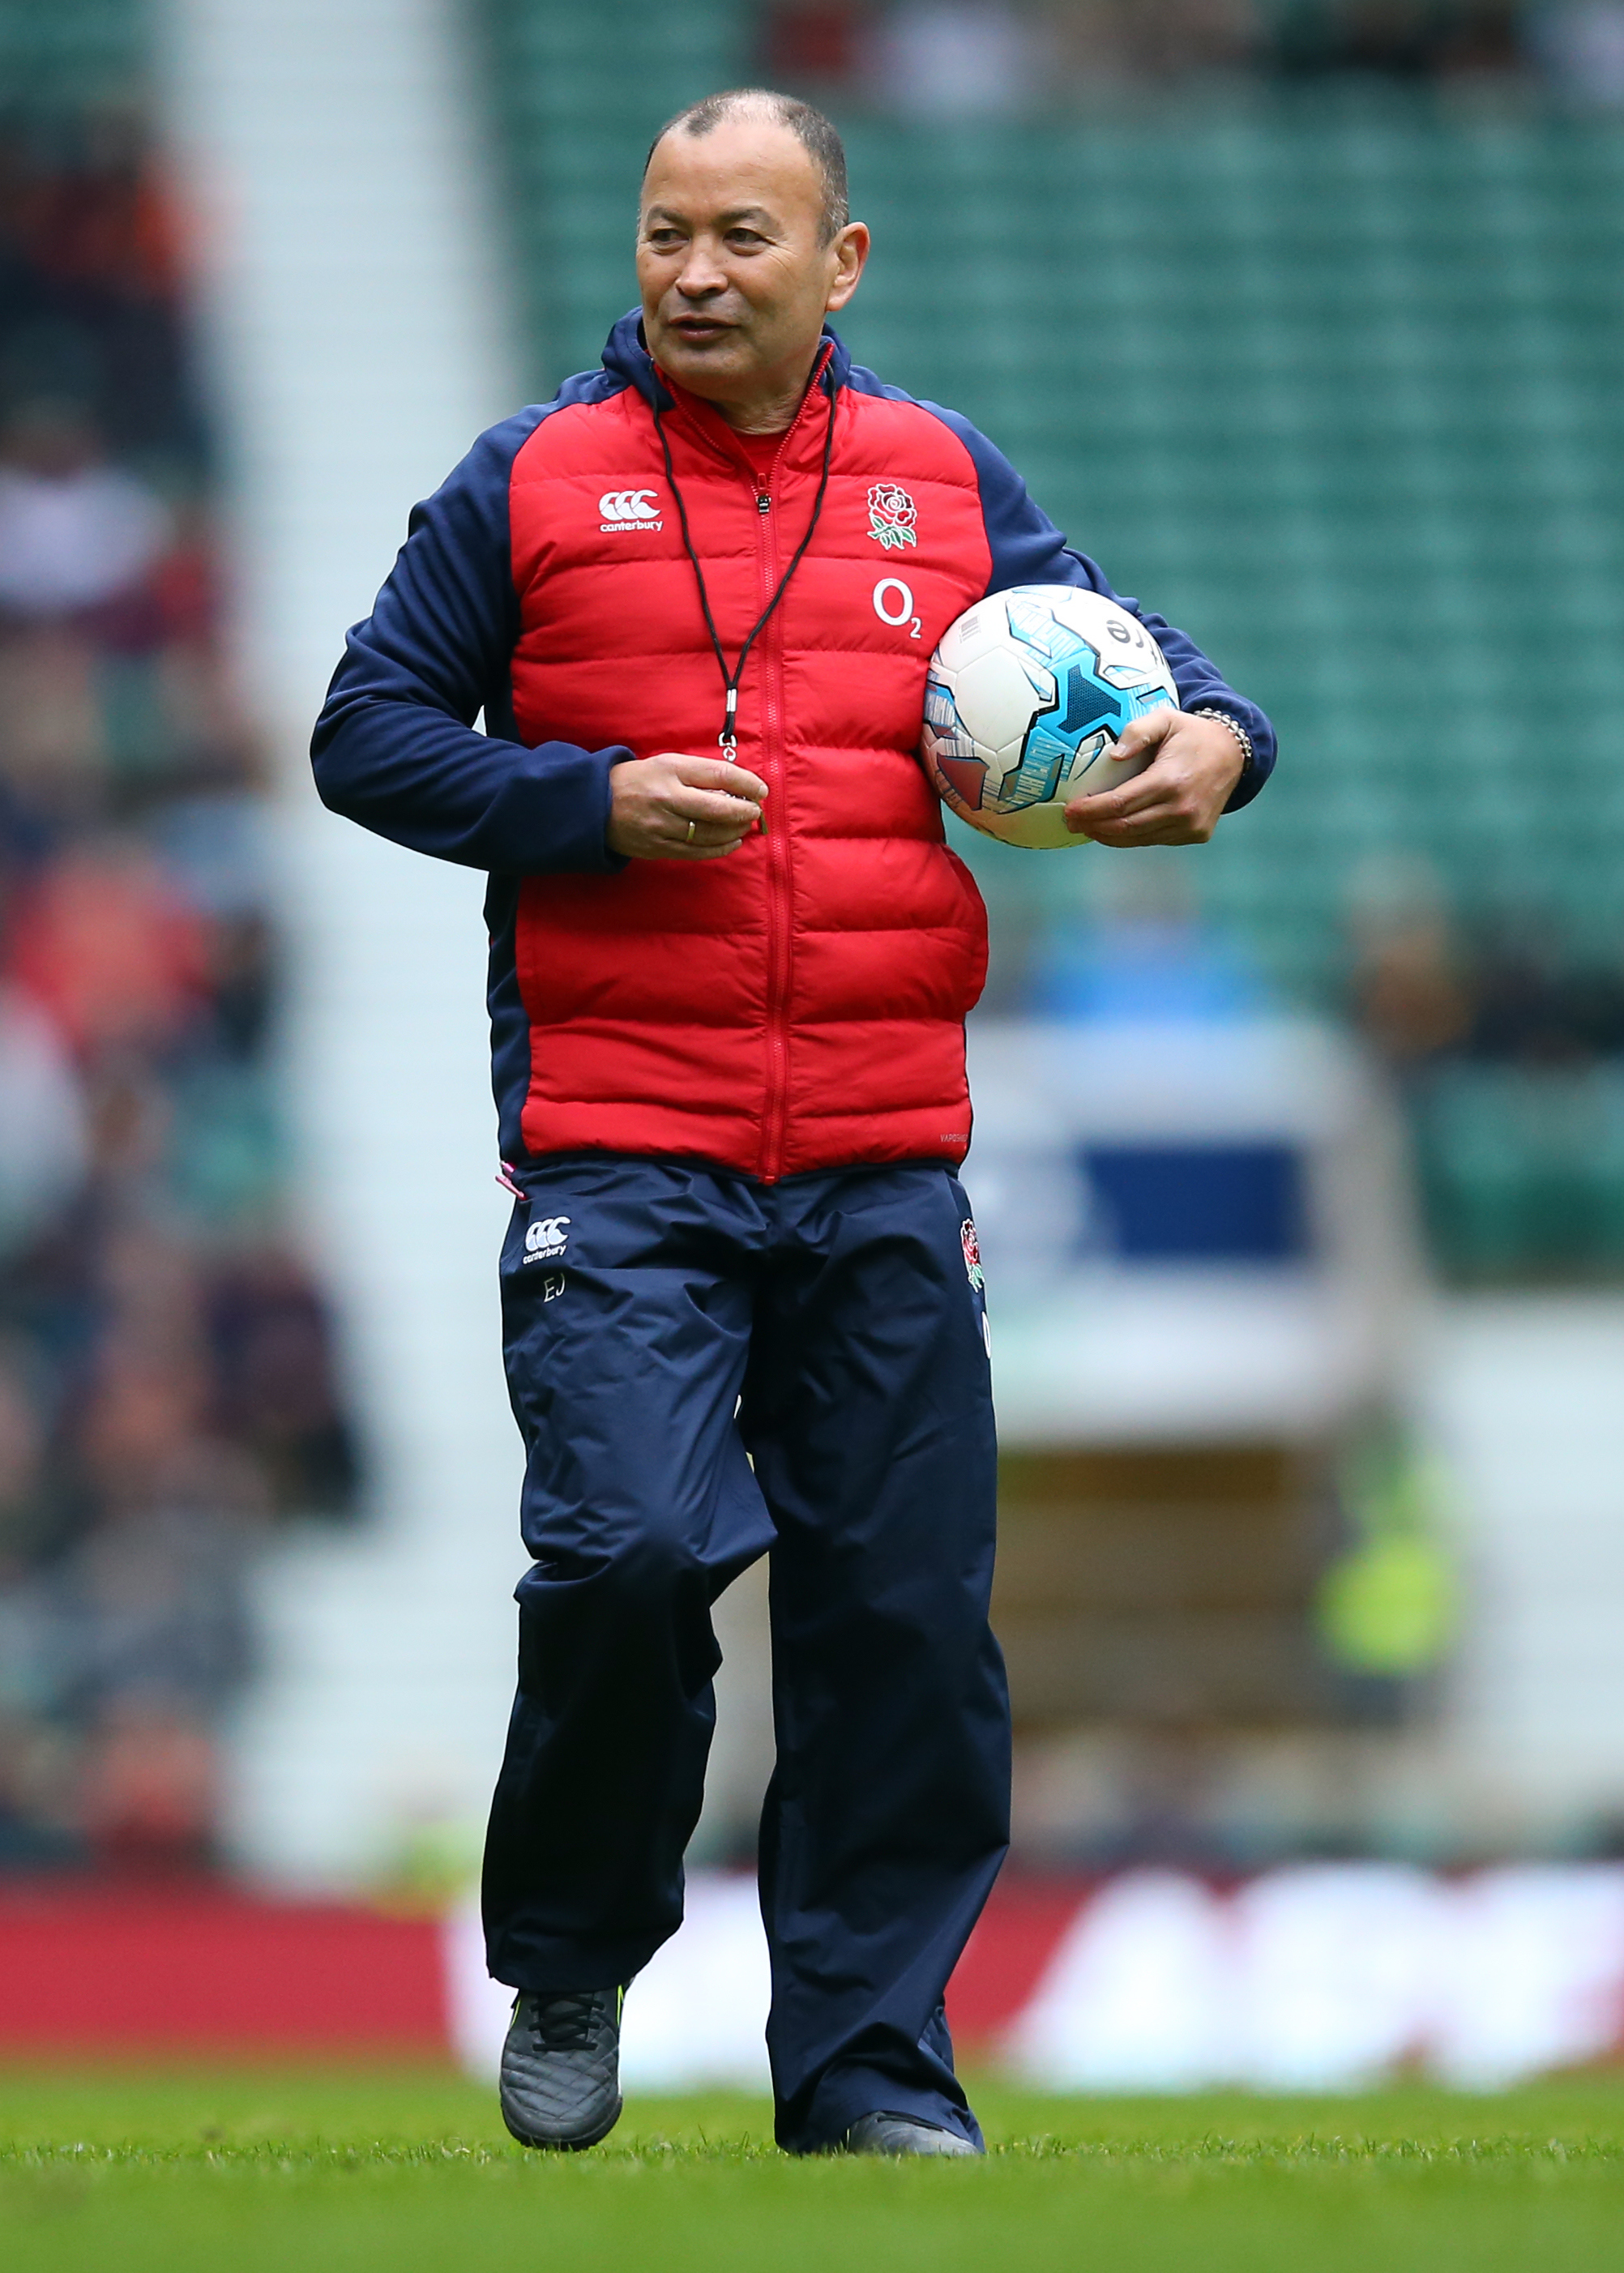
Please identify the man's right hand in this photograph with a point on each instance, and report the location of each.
(677, 808)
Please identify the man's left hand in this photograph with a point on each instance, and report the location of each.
(1194, 766)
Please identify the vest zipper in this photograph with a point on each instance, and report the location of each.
(780, 892)
(775, 824)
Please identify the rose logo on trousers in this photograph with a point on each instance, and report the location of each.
(972, 1247)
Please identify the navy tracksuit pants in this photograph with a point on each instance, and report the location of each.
(661, 1323)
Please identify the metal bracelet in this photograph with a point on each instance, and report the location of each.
(1235, 727)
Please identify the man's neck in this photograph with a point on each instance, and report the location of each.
(775, 417)
(774, 410)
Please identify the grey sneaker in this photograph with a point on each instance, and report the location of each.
(561, 2067)
(904, 2135)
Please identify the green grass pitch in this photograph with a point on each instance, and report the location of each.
(333, 2172)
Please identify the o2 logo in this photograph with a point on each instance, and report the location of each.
(893, 604)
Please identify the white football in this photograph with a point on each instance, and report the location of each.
(1026, 694)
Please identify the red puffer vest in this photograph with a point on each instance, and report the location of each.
(800, 1004)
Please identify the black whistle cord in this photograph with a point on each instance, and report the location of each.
(727, 741)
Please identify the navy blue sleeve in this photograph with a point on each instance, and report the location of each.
(394, 747)
(1028, 549)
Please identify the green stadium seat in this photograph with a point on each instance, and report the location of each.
(59, 61)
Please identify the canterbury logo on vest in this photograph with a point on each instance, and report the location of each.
(629, 509)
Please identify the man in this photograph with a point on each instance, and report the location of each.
(731, 959)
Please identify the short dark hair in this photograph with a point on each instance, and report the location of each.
(818, 136)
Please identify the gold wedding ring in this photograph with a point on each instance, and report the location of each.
(690, 832)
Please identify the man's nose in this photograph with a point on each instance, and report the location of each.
(700, 274)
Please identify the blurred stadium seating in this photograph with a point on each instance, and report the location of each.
(167, 1389)
(1330, 372)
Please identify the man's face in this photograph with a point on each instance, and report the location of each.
(735, 277)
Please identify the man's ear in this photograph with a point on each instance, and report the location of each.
(851, 251)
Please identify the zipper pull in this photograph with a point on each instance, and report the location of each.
(728, 742)
(763, 503)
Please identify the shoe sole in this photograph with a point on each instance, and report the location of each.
(566, 2146)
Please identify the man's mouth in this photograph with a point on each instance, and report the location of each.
(698, 329)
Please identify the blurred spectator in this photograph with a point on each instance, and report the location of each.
(1401, 39)
(978, 58)
(1410, 996)
(105, 941)
(1533, 1007)
(1409, 990)
(53, 734)
(217, 847)
(74, 531)
(87, 249)
(274, 1374)
(1145, 956)
(816, 44)
(42, 1138)
(155, 1586)
(1510, 1052)
(1593, 1009)
(100, 223)
(152, 1612)
(958, 58)
(1157, 39)
(1582, 50)
(241, 981)
(22, 1471)
(1421, 993)
(147, 1793)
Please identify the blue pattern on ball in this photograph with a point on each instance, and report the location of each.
(1077, 716)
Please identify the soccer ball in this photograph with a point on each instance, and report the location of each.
(1026, 691)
